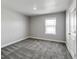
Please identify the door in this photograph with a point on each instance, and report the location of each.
(73, 31)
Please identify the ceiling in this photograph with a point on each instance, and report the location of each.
(36, 7)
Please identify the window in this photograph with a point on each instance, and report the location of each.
(50, 26)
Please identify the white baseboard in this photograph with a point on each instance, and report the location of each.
(13, 42)
(31, 37)
(48, 39)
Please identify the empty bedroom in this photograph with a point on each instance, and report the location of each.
(38, 29)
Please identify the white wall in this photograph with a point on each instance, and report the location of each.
(37, 26)
(14, 27)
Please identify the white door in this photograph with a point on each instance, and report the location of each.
(73, 31)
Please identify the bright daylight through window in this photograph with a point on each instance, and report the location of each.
(50, 26)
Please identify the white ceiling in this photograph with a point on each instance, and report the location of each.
(36, 7)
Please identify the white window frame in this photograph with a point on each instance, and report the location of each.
(50, 26)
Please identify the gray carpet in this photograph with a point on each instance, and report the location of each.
(35, 49)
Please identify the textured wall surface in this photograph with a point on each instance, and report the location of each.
(14, 26)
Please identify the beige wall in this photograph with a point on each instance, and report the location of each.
(37, 26)
(14, 27)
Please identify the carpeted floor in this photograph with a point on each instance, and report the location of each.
(35, 49)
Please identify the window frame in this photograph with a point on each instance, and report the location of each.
(50, 25)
